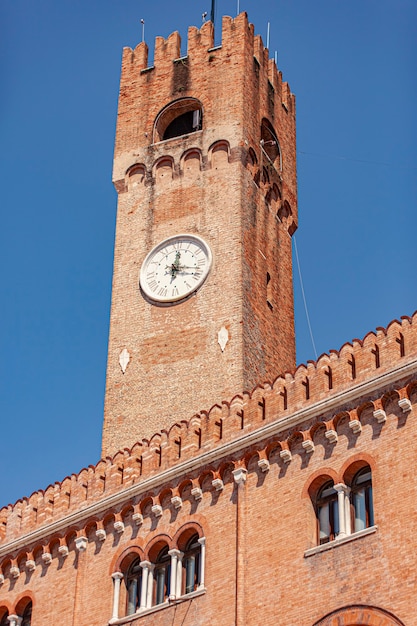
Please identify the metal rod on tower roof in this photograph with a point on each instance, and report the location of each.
(238, 7)
(143, 29)
(267, 36)
(213, 8)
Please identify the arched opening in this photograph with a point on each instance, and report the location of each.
(133, 581)
(162, 572)
(359, 615)
(327, 512)
(178, 118)
(270, 144)
(4, 617)
(27, 615)
(191, 565)
(361, 498)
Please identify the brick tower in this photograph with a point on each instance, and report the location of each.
(205, 147)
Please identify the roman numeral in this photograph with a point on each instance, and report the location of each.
(163, 291)
(153, 285)
(175, 292)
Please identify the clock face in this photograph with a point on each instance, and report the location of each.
(175, 268)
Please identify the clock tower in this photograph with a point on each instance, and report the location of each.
(205, 170)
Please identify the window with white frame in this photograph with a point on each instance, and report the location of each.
(361, 499)
(172, 575)
(342, 510)
(133, 580)
(191, 565)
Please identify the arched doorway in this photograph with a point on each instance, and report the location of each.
(359, 615)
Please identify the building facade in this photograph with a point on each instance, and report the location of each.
(235, 488)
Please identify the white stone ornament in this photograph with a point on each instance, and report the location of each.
(157, 510)
(218, 484)
(124, 358)
(63, 551)
(101, 534)
(137, 518)
(405, 405)
(285, 455)
(223, 337)
(308, 446)
(355, 426)
(176, 501)
(81, 544)
(197, 493)
(119, 527)
(380, 416)
(331, 435)
(263, 465)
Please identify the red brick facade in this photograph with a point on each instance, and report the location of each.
(213, 520)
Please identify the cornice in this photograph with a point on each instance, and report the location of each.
(211, 456)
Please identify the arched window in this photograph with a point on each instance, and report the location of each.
(361, 498)
(4, 620)
(327, 511)
(162, 572)
(133, 581)
(27, 615)
(186, 123)
(180, 117)
(270, 144)
(191, 564)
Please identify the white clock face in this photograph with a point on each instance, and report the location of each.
(175, 268)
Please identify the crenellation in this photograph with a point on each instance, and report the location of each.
(200, 41)
(167, 50)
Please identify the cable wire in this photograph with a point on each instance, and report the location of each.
(304, 297)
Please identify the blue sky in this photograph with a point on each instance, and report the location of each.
(352, 68)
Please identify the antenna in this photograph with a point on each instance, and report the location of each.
(213, 9)
(267, 35)
(142, 21)
(238, 7)
(276, 58)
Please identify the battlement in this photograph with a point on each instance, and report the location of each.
(237, 94)
(236, 33)
(340, 385)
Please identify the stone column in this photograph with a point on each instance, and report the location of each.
(117, 577)
(174, 554)
(149, 590)
(145, 565)
(14, 620)
(202, 542)
(341, 497)
(179, 575)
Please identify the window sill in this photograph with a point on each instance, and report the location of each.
(185, 136)
(158, 607)
(339, 542)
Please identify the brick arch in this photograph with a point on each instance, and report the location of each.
(359, 615)
(123, 560)
(184, 533)
(170, 112)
